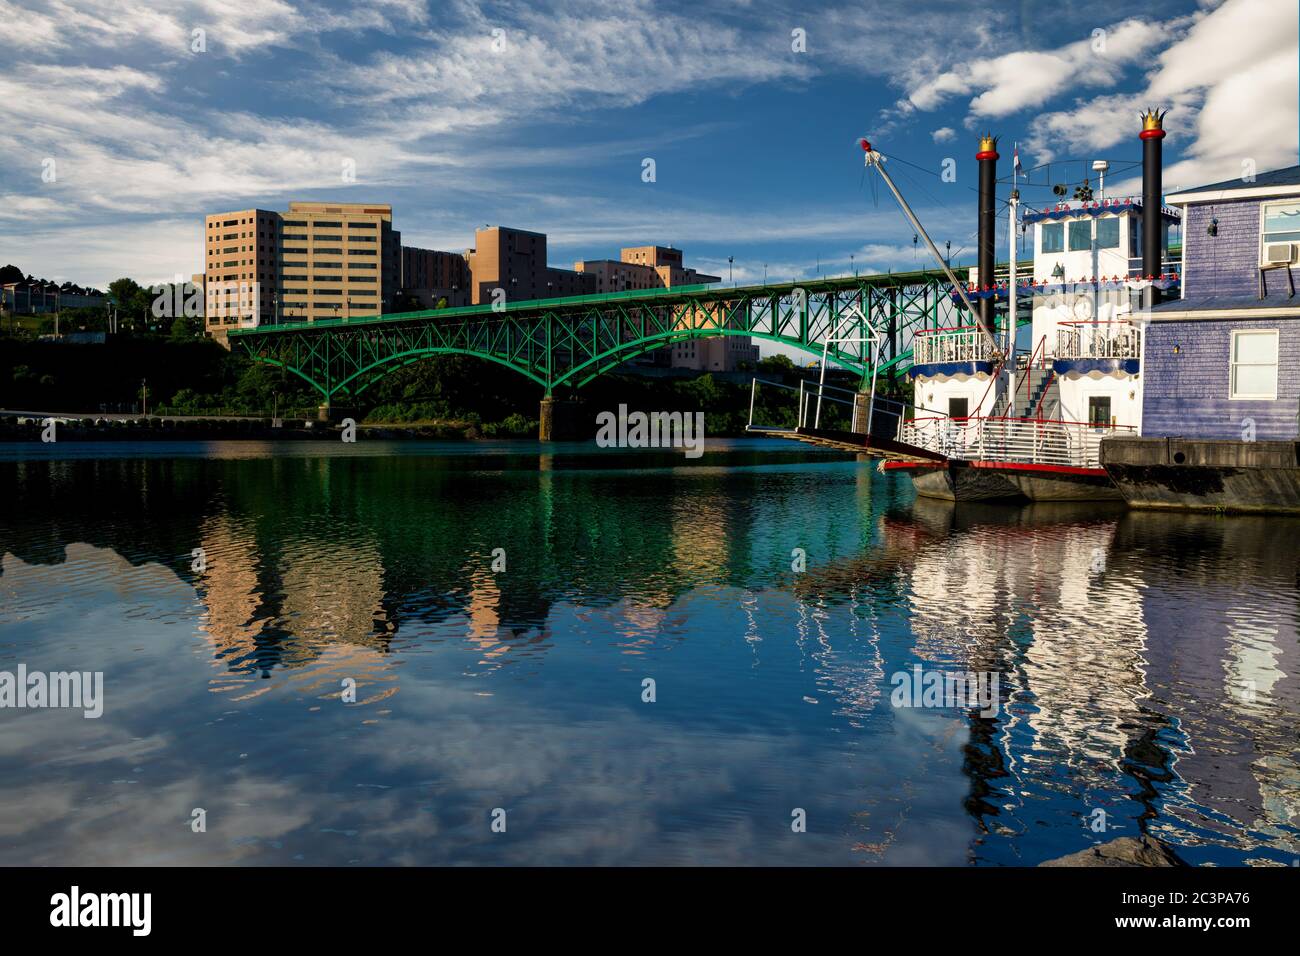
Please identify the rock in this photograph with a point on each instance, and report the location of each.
(1124, 851)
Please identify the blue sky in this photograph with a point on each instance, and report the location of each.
(754, 143)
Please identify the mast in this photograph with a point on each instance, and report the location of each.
(874, 159)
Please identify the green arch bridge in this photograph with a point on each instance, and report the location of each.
(567, 342)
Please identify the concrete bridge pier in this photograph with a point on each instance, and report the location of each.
(336, 413)
(882, 425)
(560, 420)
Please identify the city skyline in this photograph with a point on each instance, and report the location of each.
(548, 124)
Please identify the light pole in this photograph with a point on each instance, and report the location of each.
(764, 273)
(730, 260)
(851, 265)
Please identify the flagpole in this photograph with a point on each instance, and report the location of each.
(1011, 292)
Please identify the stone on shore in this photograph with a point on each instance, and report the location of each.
(1124, 851)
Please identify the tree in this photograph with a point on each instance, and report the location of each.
(10, 273)
(776, 363)
(124, 291)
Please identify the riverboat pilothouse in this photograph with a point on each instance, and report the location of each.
(1025, 420)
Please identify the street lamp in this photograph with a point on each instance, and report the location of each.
(851, 265)
(730, 260)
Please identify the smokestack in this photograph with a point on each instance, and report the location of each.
(1152, 195)
(988, 160)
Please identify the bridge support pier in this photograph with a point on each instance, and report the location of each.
(335, 413)
(881, 425)
(559, 420)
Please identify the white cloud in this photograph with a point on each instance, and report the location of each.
(1024, 79)
(1230, 81)
(944, 134)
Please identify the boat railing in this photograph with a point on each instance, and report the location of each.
(1031, 441)
(960, 344)
(1115, 339)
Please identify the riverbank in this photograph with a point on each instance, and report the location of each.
(172, 428)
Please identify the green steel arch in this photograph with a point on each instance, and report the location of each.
(570, 341)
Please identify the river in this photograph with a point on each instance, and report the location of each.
(511, 653)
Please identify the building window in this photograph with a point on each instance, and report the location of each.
(1254, 364)
(1053, 237)
(958, 407)
(1108, 233)
(1282, 222)
(1099, 410)
(1080, 235)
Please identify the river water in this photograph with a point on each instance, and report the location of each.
(505, 613)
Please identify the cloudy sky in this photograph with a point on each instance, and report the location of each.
(123, 127)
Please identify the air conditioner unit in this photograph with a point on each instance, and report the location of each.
(1279, 254)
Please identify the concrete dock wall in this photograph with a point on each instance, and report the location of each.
(1205, 475)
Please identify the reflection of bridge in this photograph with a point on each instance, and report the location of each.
(570, 341)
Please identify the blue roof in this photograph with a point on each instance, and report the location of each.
(1288, 176)
(1276, 299)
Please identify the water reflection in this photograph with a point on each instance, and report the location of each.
(1147, 663)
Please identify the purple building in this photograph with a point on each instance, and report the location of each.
(1223, 361)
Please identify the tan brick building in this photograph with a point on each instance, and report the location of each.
(339, 260)
(241, 258)
(514, 260)
(316, 261)
(429, 275)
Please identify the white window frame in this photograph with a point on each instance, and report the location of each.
(1263, 221)
(1232, 365)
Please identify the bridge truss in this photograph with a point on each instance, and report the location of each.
(568, 342)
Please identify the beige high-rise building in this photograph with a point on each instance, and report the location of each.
(316, 261)
(339, 260)
(514, 261)
(241, 268)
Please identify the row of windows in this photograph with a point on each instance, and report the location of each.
(1080, 234)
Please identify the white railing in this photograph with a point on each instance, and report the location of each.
(1098, 340)
(1018, 440)
(933, 346)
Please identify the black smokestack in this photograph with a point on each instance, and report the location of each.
(988, 160)
(1152, 195)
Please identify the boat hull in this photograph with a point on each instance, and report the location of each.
(1003, 481)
